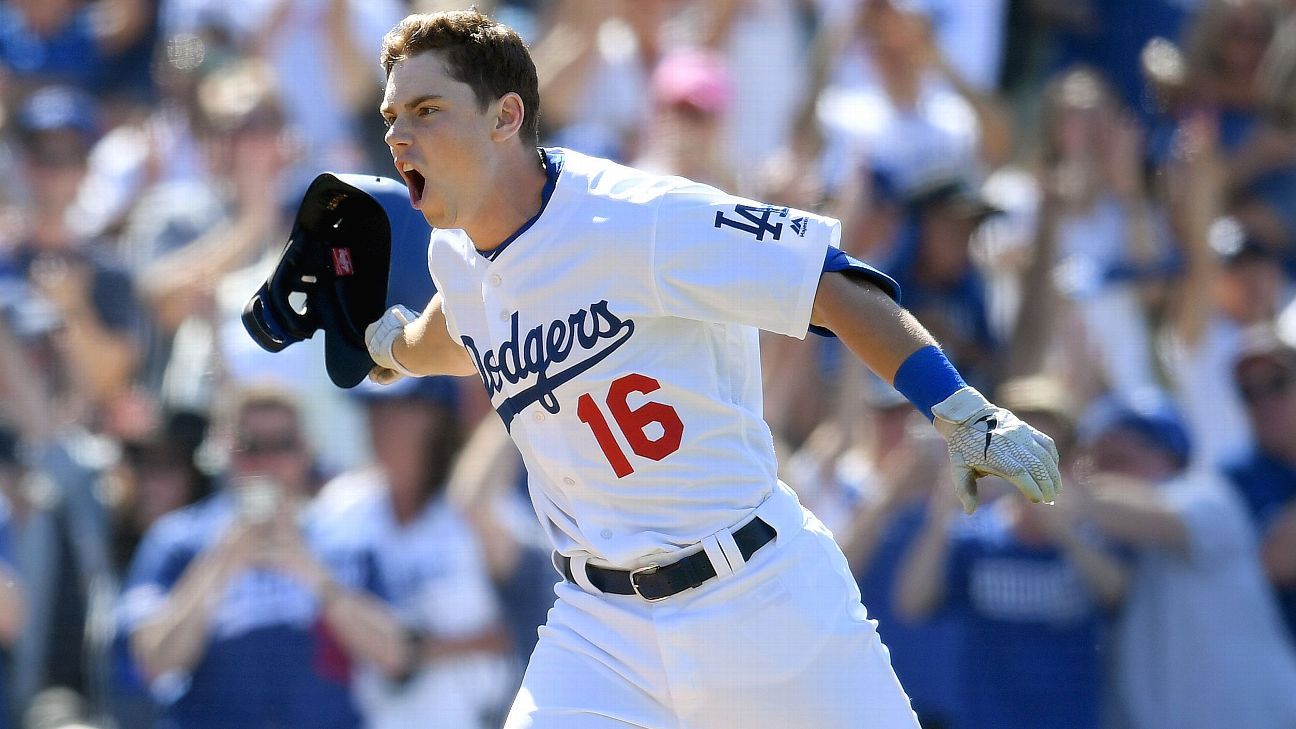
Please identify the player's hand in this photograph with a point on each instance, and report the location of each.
(985, 440)
(380, 336)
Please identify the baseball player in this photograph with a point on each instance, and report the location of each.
(612, 316)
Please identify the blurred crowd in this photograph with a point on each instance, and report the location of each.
(1091, 203)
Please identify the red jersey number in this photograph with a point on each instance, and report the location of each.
(632, 422)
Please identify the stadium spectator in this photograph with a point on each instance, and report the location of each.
(1032, 589)
(1265, 373)
(201, 250)
(238, 610)
(65, 41)
(323, 99)
(1196, 572)
(1110, 270)
(766, 41)
(942, 284)
(58, 528)
(428, 561)
(1231, 281)
(896, 103)
(11, 592)
(1085, 237)
(691, 93)
(92, 294)
(595, 63)
(869, 475)
(488, 486)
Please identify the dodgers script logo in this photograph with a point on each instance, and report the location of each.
(519, 358)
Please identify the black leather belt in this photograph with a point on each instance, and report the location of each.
(655, 582)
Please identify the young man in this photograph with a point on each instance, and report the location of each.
(612, 316)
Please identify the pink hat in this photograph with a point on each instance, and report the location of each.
(697, 78)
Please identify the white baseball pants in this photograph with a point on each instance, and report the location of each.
(780, 643)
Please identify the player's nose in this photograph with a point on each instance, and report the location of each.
(396, 135)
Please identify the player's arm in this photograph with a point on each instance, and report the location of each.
(983, 439)
(404, 344)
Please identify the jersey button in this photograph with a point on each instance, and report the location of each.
(606, 534)
(504, 315)
(495, 279)
(539, 416)
(569, 480)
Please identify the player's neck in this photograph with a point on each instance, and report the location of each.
(515, 195)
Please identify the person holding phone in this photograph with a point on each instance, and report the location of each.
(237, 610)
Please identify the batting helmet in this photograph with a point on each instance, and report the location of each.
(356, 248)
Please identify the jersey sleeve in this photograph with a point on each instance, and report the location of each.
(720, 258)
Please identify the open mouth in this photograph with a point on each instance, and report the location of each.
(414, 181)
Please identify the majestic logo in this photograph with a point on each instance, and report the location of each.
(800, 225)
(522, 356)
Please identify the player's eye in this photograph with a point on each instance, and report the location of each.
(388, 120)
(426, 110)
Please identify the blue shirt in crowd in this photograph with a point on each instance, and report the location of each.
(70, 55)
(926, 655)
(270, 662)
(1032, 629)
(1268, 486)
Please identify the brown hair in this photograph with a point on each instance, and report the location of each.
(240, 399)
(488, 56)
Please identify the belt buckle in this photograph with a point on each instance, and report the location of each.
(634, 582)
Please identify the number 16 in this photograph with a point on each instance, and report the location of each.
(631, 423)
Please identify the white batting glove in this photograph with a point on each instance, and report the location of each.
(379, 338)
(985, 440)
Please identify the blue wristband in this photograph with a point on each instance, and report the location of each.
(926, 378)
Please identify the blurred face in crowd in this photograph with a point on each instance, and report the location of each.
(1266, 386)
(161, 487)
(400, 430)
(45, 16)
(1128, 452)
(1242, 41)
(1248, 289)
(1079, 121)
(944, 255)
(440, 139)
(891, 35)
(269, 443)
(55, 163)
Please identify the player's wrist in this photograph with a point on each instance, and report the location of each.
(928, 379)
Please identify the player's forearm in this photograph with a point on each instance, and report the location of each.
(426, 347)
(869, 323)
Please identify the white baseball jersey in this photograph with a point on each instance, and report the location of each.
(616, 334)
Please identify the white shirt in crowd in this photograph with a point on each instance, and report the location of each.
(1200, 643)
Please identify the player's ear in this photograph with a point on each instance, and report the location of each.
(509, 114)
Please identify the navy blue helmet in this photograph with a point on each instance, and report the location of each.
(356, 249)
